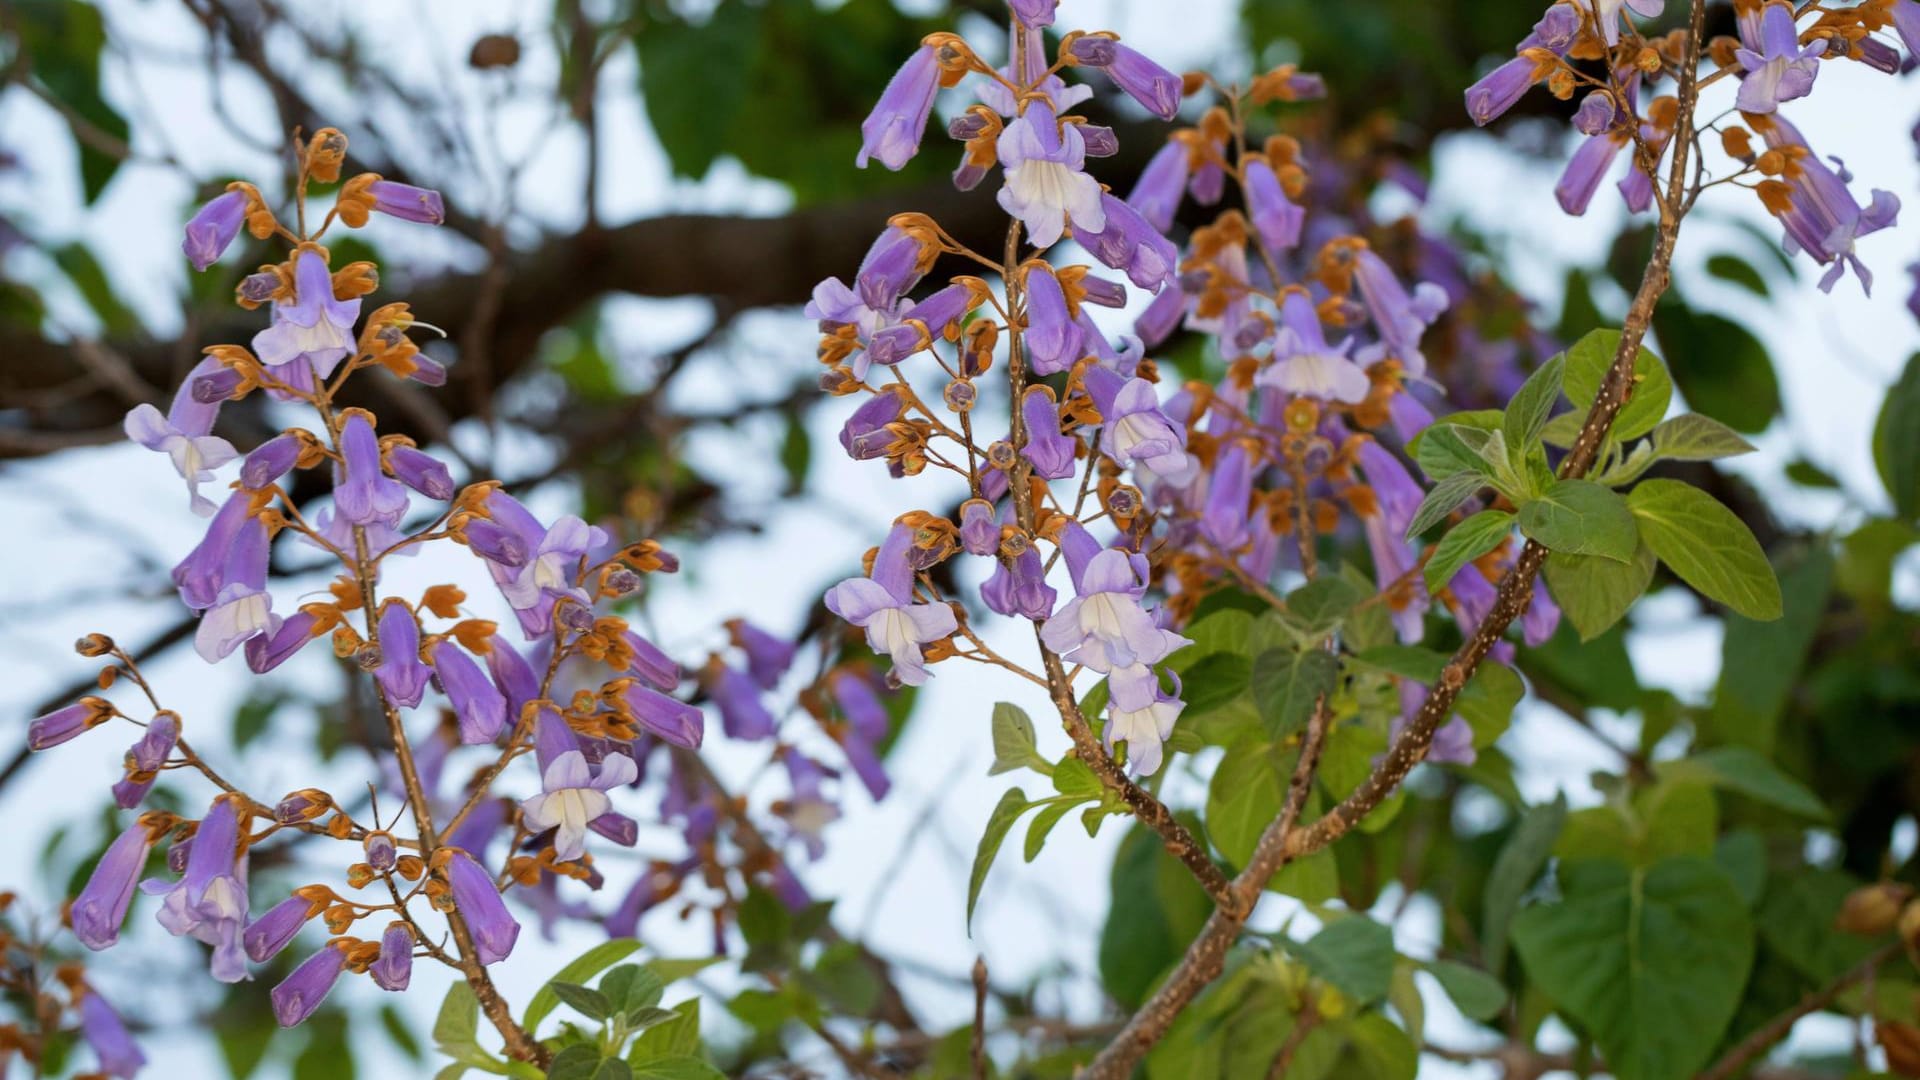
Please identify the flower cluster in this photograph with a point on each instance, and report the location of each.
(1592, 49)
(1198, 487)
(566, 682)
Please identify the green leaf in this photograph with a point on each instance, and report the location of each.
(613, 1069)
(1315, 608)
(630, 987)
(1243, 798)
(458, 1024)
(1593, 592)
(672, 1038)
(66, 39)
(1650, 961)
(1447, 495)
(1587, 364)
(1354, 954)
(1450, 448)
(1740, 769)
(1527, 413)
(1710, 548)
(1580, 517)
(1159, 910)
(1519, 863)
(691, 78)
(1287, 683)
(1796, 921)
(1464, 543)
(1896, 442)
(1693, 437)
(578, 1062)
(676, 1068)
(397, 1030)
(671, 969)
(585, 966)
(1720, 365)
(328, 1054)
(586, 1001)
(1477, 994)
(1732, 268)
(1761, 662)
(90, 279)
(1005, 813)
(1043, 823)
(1014, 745)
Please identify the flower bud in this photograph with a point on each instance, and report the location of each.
(1872, 910)
(303, 805)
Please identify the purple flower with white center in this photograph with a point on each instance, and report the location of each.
(101, 907)
(1126, 241)
(1777, 68)
(808, 812)
(268, 651)
(301, 992)
(1104, 627)
(184, 435)
(1045, 184)
(1142, 716)
(394, 968)
(1031, 43)
(892, 131)
(145, 757)
(402, 676)
(422, 206)
(1018, 587)
(1161, 186)
(865, 436)
(200, 575)
(1452, 742)
(573, 794)
(1049, 451)
(666, 718)
(362, 492)
(1144, 81)
(241, 608)
(1400, 319)
(274, 931)
(209, 903)
(310, 336)
(422, 472)
(768, 656)
(213, 227)
(1137, 432)
(1275, 217)
(550, 572)
(107, 1034)
(893, 265)
(979, 531)
(1303, 362)
(380, 850)
(478, 901)
(883, 605)
(1823, 219)
(742, 714)
(479, 705)
(1052, 340)
(270, 461)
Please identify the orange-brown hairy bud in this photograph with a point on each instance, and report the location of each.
(443, 600)
(346, 593)
(1738, 143)
(346, 641)
(94, 645)
(1872, 910)
(411, 867)
(954, 56)
(326, 154)
(359, 875)
(356, 279)
(1664, 113)
(1776, 196)
(475, 635)
(355, 202)
(339, 918)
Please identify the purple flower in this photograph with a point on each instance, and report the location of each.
(892, 131)
(768, 657)
(865, 436)
(1157, 322)
(1044, 182)
(362, 492)
(1541, 618)
(1034, 12)
(883, 605)
(666, 718)
(401, 675)
(1274, 216)
(241, 608)
(1303, 362)
(553, 560)
(408, 203)
(653, 666)
(422, 472)
(893, 265)
(394, 969)
(478, 704)
(268, 651)
(1229, 493)
(1777, 68)
(1052, 339)
(1607, 14)
(1104, 626)
(1822, 219)
(1498, 90)
(1018, 587)
(1396, 497)
(101, 907)
(1906, 22)
(1141, 714)
(144, 759)
(1400, 319)
(1161, 185)
(1596, 114)
(209, 903)
(1126, 241)
(310, 336)
(918, 325)
(1143, 80)
(1586, 169)
(112, 1043)
(478, 901)
(300, 993)
(381, 853)
(517, 680)
(66, 723)
(184, 435)
(274, 931)
(979, 531)
(742, 714)
(573, 794)
(1050, 452)
(270, 461)
(1137, 432)
(214, 227)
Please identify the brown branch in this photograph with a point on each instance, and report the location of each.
(1757, 1043)
(1280, 844)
